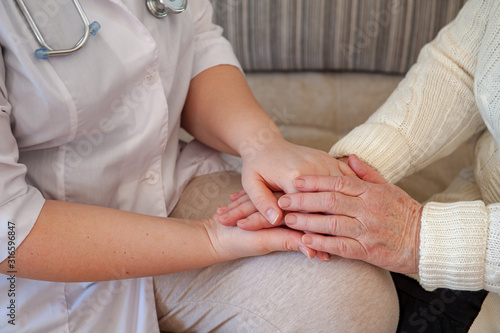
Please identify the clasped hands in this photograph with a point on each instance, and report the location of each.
(355, 214)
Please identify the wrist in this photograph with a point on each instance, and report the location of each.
(214, 244)
(416, 236)
(258, 140)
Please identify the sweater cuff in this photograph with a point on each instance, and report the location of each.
(493, 250)
(453, 241)
(378, 145)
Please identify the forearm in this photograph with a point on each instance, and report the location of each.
(222, 112)
(74, 242)
(433, 110)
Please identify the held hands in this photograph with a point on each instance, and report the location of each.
(376, 223)
(366, 219)
(273, 167)
(227, 243)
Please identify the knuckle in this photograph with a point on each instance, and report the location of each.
(329, 200)
(257, 218)
(332, 224)
(301, 200)
(342, 247)
(339, 183)
(307, 222)
(288, 245)
(319, 242)
(313, 182)
(241, 200)
(259, 200)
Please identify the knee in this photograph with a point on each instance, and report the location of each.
(342, 296)
(370, 301)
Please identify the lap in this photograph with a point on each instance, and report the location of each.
(279, 292)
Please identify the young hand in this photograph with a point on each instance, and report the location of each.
(231, 242)
(272, 168)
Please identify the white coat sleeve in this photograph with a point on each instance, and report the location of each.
(211, 48)
(20, 204)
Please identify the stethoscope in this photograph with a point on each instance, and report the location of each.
(159, 8)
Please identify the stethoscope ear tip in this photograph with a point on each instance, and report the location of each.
(94, 28)
(42, 53)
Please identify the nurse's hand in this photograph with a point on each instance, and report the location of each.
(244, 213)
(229, 243)
(273, 167)
(375, 222)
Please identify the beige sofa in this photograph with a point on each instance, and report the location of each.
(321, 67)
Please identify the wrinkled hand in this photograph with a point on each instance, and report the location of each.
(273, 168)
(229, 243)
(247, 217)
(375, 222)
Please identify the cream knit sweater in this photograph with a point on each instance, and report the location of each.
(449, 96)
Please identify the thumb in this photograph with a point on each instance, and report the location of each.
(264, 200)
(282, 239)
(364, 171)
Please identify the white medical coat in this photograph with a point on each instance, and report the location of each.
(100, 127)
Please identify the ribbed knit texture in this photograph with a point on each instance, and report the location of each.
(377, 142)
(450, 95)
(493, 250)
(453, 245)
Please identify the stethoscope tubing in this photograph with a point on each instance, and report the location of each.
(158, 8)
(47, 50)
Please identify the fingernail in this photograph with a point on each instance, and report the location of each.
(305, 252)
(307, 240)
(243, 221)
(299, 183)
(272, 215)
(325, 257)
(284, 202)
(224, 217)
(290, 219)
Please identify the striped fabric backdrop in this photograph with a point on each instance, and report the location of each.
(336, 35)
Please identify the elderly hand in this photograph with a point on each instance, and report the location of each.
(272, 168)
(375, 222)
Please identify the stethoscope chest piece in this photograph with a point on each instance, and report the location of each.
(161, 8)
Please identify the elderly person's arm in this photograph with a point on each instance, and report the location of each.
(442, 102)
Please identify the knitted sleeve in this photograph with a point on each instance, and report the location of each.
(431, 113)
(460, 246)
(433, 110)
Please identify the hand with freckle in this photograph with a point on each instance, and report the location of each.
(362, 217)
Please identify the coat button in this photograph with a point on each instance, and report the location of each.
(151, 77)
(152, 177)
